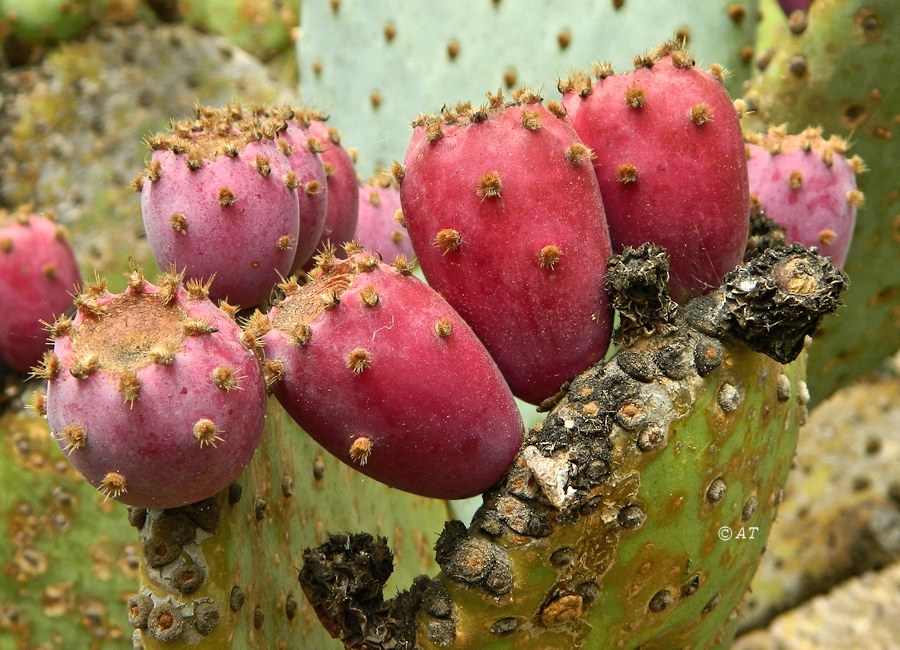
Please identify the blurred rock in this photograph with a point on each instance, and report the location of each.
(861, 613)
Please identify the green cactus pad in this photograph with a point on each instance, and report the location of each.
(842, 73)
(41, 21)
(667, 545)
(397, 58)
(261, 27)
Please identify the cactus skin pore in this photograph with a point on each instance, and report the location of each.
(152, 394)
(37, 275)
(505, 217)
(670, 161)
(387, 377)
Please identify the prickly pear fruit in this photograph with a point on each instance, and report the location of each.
(790, 6)
(152, 393)
(37, 274)
(219, 198)
(505, 216)
(670, 162)
(343, 206)
(385, 375)
(807, 184)
(303, 150)
(380, 228)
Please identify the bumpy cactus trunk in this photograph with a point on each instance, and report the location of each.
(636, 512)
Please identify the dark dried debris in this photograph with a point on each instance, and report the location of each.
(637, 280)
(343, 579)
(764, 234)
(473, 559)
(773, 302)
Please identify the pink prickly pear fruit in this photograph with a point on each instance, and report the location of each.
(38, 275)
(312, 193)
(504, 212)
(808, 185)
(386, 376)
(343, 203)
(670, 162)
(152, 393)
(303, 151)
(381, 227)
(219, 198)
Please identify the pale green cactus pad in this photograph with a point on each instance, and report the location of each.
(373, 66)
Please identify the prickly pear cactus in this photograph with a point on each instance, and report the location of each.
(839, 70)
(636, 512)
(418, 54)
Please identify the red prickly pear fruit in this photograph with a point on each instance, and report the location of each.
(670, 162)
(381, 226)
(505, 215)
(343, 203)
(219, 198)
(808, 185)
(38, 274)
(385, 375)
(152, 393)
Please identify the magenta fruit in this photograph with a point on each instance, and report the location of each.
(152, 393)
(304, 153)
(506, 219)
(670, 163)
(340, 170)
(381, 226)
(219, 198)
(808, 185)
(312, 193)
(38, 275)
(385, 375)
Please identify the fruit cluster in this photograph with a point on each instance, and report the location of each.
(513, 210)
